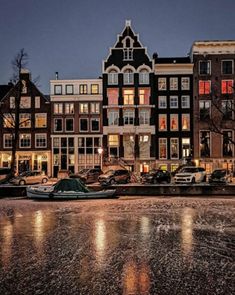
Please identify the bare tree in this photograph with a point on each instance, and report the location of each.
(11, 119)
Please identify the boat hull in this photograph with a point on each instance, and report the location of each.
(34, 193)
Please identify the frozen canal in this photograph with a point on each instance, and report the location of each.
(126, 246)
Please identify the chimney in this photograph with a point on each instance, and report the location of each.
(56, 75)
(25, 74)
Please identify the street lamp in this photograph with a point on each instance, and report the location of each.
(100, 152)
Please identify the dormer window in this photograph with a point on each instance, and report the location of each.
(113, 77)
(128, 77)
(128, 54)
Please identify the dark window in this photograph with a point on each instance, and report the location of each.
(204, 67)
(204, 109)
(95, 124)
(58, 125)
(69, 124)
(83, 124)
(205, 143)
(227, 109)
(227, 144)
(227, 67)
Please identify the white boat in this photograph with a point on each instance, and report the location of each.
(67, 189)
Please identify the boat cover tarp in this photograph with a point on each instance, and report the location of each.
(70, 184)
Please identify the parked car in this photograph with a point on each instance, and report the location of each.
(191, 174)
(115, 176)
(156, 176)
(30, 177)
(220, 176)
(4, 174)
(88, 175)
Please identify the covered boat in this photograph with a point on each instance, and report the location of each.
(68, 188)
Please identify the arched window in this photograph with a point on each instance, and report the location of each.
(113, 77)
(128, 77)
(144, 77)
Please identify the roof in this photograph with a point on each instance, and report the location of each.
(172, 60)
(4, 89)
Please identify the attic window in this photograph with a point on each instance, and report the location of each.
(128, 42)
(127, 54)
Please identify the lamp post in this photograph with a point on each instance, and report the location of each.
(100, 152)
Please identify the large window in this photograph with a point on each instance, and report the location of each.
(204, 67)
(227, 109)
(41, 120)
(7, 139)
(185, 83)
(185, 101)
(174, 144)
(226, 86)
(143, 77)
(161, 83)
(69, 124)
(144, 117)
(40, 140)
(95, 124)
(95, 107)
(128, 117)
(144, 94)
(112, 94)
(173, 102)
(227, 67)
(185, 122)
(112, 77)
(204, 87)
(227, 144)
(25, 120)
(83, 108)
(205, 109)
(69, 108)
(128, 77)
(58, 108)
(173, 83)
(84, 124)
(128, 95)
(162, 148)
(57, 89)
(162, 122)
(25, 140)
(174, 122)
(94, 89)
(205, 143)
(83, 88)
(69, 89)
(58, 125)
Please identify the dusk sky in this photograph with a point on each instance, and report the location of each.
(74, 36)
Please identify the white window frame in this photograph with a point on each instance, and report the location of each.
(59, 107)
(187, 104)
(66, 119)
(188, 116)
(128, 78)
(4, 140)
(162, 102)
(162, 84)
(25, 147)
(61, 125)
(143, 77)
(67, 108)
(40, 134)
(94, 105)
(177, 141)
(159, 141)
(128, 114)
(112, 78)
(95, 119)
(83, 103)
(112, 114)
(159, 120)
(174, 83)
(199, 67)
(84, 131)
(174, 98)
(177, 116)
(146, 117)
(185, 85)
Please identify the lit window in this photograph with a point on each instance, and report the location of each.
(7, 140)
(128, 95)
(112, 94)
(128, 77)
(8, 120)
(83, 108)
(185, 83)
(95, 107)
(161, 83)
(204, 67)
(185, 102)
(185, 122)
(144, 96)
(58, 127)
(69, 108)
(174, 145)
(143, 77)
(58, 89)
(226, 86)
(112, 77)
(113, 140)
(58, 108)
(186, 150)
(162, 148)
(173, 102)
(204, 87)
(41, 120)
(40, 140)
(113, 117)
(162, 122)
(25, 102)
(25, 140)
(69, 124)
(25, 120)
(205, 143)
(205, 109)
(83, 88)
(162, 102)
(37, 102)
(174, 122)
(83, 124)
(173, 83)
(69, 89)
(144, 117)
(94, 89)
(227, 67)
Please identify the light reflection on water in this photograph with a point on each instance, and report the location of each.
(187, 220)
(6, 244)
(100, 240)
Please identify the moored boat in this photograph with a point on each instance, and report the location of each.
(67, 189)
